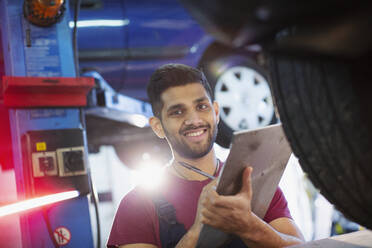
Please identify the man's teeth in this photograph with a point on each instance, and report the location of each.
(195, 133)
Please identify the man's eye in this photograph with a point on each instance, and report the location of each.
(203, 106)
(176, 112)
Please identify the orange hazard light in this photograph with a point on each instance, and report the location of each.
(43, 12)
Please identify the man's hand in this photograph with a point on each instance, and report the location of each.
(231, 214)
(207, 190)
(191, 237)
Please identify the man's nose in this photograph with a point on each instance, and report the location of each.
(193, 118)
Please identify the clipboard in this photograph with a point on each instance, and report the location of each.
(267, 151)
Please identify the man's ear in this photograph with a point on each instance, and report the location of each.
(156, 126)
(217, 111)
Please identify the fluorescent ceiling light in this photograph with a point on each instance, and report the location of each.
(100, 23)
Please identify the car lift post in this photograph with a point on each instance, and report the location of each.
(32, 51)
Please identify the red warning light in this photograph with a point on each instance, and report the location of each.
(36, 202)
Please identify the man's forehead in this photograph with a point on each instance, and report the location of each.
(183, 94)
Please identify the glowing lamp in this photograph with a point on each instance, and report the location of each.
(36, 202)
(43, 12)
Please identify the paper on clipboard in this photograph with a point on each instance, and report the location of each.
(267, 151)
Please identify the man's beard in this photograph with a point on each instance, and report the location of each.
(185, 150)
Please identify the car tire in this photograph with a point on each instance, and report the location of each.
(241, 88)
(326, 114)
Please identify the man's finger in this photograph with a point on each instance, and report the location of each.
(211, 185)
(214, 218)
(247, 182)
(214, 199)
(210, 209)
(229, 201)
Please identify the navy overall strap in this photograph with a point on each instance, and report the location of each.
(171, 231)
(236, 242)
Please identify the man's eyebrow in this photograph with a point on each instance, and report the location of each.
(201, 99)
(176, 106)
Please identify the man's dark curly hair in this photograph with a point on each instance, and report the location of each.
(171, 75)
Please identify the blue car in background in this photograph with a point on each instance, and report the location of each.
(126, 40)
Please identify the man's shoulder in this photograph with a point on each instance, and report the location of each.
(135, 219)
(139, 197)
(170, 190)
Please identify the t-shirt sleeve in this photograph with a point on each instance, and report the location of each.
(278, 207)
(134, 222)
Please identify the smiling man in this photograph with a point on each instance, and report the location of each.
(186, 116)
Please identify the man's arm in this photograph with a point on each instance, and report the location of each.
(138, 246)
(281, 232)
(191, 237)
(188, 240)
(232, 214)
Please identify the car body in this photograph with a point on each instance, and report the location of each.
(125, 40)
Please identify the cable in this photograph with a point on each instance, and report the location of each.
(49, 227)
(194, 169)
(74, 37)
(76, 61)
(95, 202)
(93, 190)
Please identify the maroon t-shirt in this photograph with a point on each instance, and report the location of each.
(137, 222)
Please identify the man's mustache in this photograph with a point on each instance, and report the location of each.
(193, 127)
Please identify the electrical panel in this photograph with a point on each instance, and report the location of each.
(55, 161)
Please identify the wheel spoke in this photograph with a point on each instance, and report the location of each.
(266, 110)
(232, 82)
(226, 99)
(247, 78)
(252, 120)
(262, 90)
(233, 119)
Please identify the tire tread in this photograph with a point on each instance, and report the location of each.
(317, 106)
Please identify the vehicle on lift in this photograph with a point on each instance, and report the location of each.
(125, 41)
(318, 55)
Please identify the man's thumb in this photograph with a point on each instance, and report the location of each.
(247, 181)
